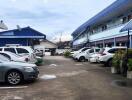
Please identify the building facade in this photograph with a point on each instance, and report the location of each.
(24, 36)
(103, 30)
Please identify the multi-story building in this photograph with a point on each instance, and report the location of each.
(104, 28)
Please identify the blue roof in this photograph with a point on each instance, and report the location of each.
(116, 9)
(127, 27)
(26, 32)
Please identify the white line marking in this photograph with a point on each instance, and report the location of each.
(18, 98)
(53, 65)
(17, 87)
(78, 64)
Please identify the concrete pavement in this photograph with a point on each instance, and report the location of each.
(64, 79)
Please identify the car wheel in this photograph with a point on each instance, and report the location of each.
(82, 59)
(14, 78)
(109, 63)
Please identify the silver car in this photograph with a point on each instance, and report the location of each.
(16, 72)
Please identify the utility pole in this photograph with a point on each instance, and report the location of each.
(60, 37)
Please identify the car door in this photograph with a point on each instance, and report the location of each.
(89, 53)
(2, 72)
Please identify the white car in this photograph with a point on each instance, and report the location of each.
(95, 57)
(14, 57)
(21, 50)
(74, 53)
(107, 55)
(86, 54)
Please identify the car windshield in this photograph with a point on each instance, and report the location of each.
(3, 58)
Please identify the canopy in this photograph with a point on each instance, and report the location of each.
(127, 27)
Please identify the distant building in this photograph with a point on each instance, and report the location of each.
(64, 45)
(104, 28)
(49, 46)
(23, 36)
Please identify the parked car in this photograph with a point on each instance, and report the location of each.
(39, 52)
(95, 57)
(21, 50)
(15, 57)
(74, 53)
(16, 72)
(83, 56)
(107, 55)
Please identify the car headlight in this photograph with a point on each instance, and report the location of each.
(28, 69)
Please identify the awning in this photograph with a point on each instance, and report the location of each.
(127, 27)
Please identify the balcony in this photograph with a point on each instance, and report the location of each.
(110, 33)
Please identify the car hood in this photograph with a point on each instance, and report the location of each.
(19, 64)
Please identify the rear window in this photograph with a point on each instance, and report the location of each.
(10, 50)
(21, 50)
(115, 50)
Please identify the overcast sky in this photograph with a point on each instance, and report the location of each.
(51, 17)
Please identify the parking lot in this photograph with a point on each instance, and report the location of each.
(64, 79)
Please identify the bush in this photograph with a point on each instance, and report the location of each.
(126, 64)
(39, 61)
(118, 60)
(129, 64)
(67, 54)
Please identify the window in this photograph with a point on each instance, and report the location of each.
(10, 50)
(97, 50)
(115, 50)
(91, 51)
(0, 49)
(7, 56)
(21, 50)
(112, 50)
(84, 49)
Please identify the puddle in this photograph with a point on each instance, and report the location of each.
(73, 73)
(48, 77)
(122, 83)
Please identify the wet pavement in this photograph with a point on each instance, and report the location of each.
(64, 79)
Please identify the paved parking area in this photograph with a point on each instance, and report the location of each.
(64, 79)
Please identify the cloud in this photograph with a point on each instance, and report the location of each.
(50, 17)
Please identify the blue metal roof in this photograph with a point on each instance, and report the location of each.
(127, 27)
(116, 9)
(26, 32)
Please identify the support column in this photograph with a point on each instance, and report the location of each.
(103, 44)
(130, 41)
(114, 41)
(95, 44)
